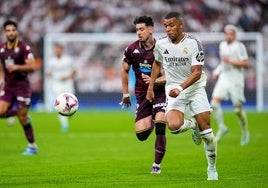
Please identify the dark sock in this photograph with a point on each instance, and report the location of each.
(160, 142)
(28, 131)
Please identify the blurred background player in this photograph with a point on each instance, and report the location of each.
(230, 84)
(140, 56)
(182, 58)
(17, 61)
(61, 71)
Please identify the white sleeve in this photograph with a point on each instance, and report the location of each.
(197, 54)
(243, 55)
(157, 53)
(217, 70)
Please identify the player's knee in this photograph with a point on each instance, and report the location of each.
(160, 128)
(2, 113)
(143, 135)
(174, 126)
(238, 110)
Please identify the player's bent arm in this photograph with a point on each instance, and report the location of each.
(162, 79)
(2, 76)
(196, 74)
(124, 77)
(29, 66)
(243, 63)
(156, 70)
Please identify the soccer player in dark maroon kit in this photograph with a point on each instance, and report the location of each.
(140, 56)
(16, 61)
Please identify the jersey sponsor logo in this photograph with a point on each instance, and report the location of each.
(176, 61)
(145, 67)
(200, 56)
(9, 61)
(166, 52)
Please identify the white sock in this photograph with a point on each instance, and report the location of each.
(210, 146)
(63, 121)
(188, 124)
(218, 114)
(158, 165)
(32, 145)
(242, 116)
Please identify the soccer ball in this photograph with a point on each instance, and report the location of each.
(66, 104)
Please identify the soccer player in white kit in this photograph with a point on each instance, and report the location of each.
(230, 83)
(182, 58)
(62, 71)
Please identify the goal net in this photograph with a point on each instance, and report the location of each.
(98, 58)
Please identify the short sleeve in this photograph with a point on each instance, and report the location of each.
(157, 53)
(198, 57)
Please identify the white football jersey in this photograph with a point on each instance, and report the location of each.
(236, 51)
(59, 68)
(177, 60)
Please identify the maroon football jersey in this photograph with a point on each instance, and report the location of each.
(141, 61)
(15, 55)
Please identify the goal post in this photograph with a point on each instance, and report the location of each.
(98, 60)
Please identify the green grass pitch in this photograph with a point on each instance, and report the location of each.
(101, 150)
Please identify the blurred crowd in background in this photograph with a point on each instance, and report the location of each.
(36, 18)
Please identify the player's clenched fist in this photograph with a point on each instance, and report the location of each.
(126, 102)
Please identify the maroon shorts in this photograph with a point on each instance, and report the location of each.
(145, 108)
(16, 95)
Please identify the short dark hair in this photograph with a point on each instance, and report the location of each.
(144, 19)
(10, 22)
(174, 15)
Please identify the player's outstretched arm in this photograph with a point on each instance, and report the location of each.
(156, 70)
(126, 102)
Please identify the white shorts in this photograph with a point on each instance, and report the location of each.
(226, 91)
(196, 101)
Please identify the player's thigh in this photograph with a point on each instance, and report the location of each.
(221, 90)
(203, 120)
(175, 112)
(143, 124)
(4, 105)
(143, 119)
(159, 105)
(237, 95)
(199, 102)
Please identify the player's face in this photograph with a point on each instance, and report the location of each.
(11, 33)
(229, 36)
(143, 31)
(173, 28)
(58, 51)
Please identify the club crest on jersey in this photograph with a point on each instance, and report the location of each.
(185, 50)
(16, 50)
